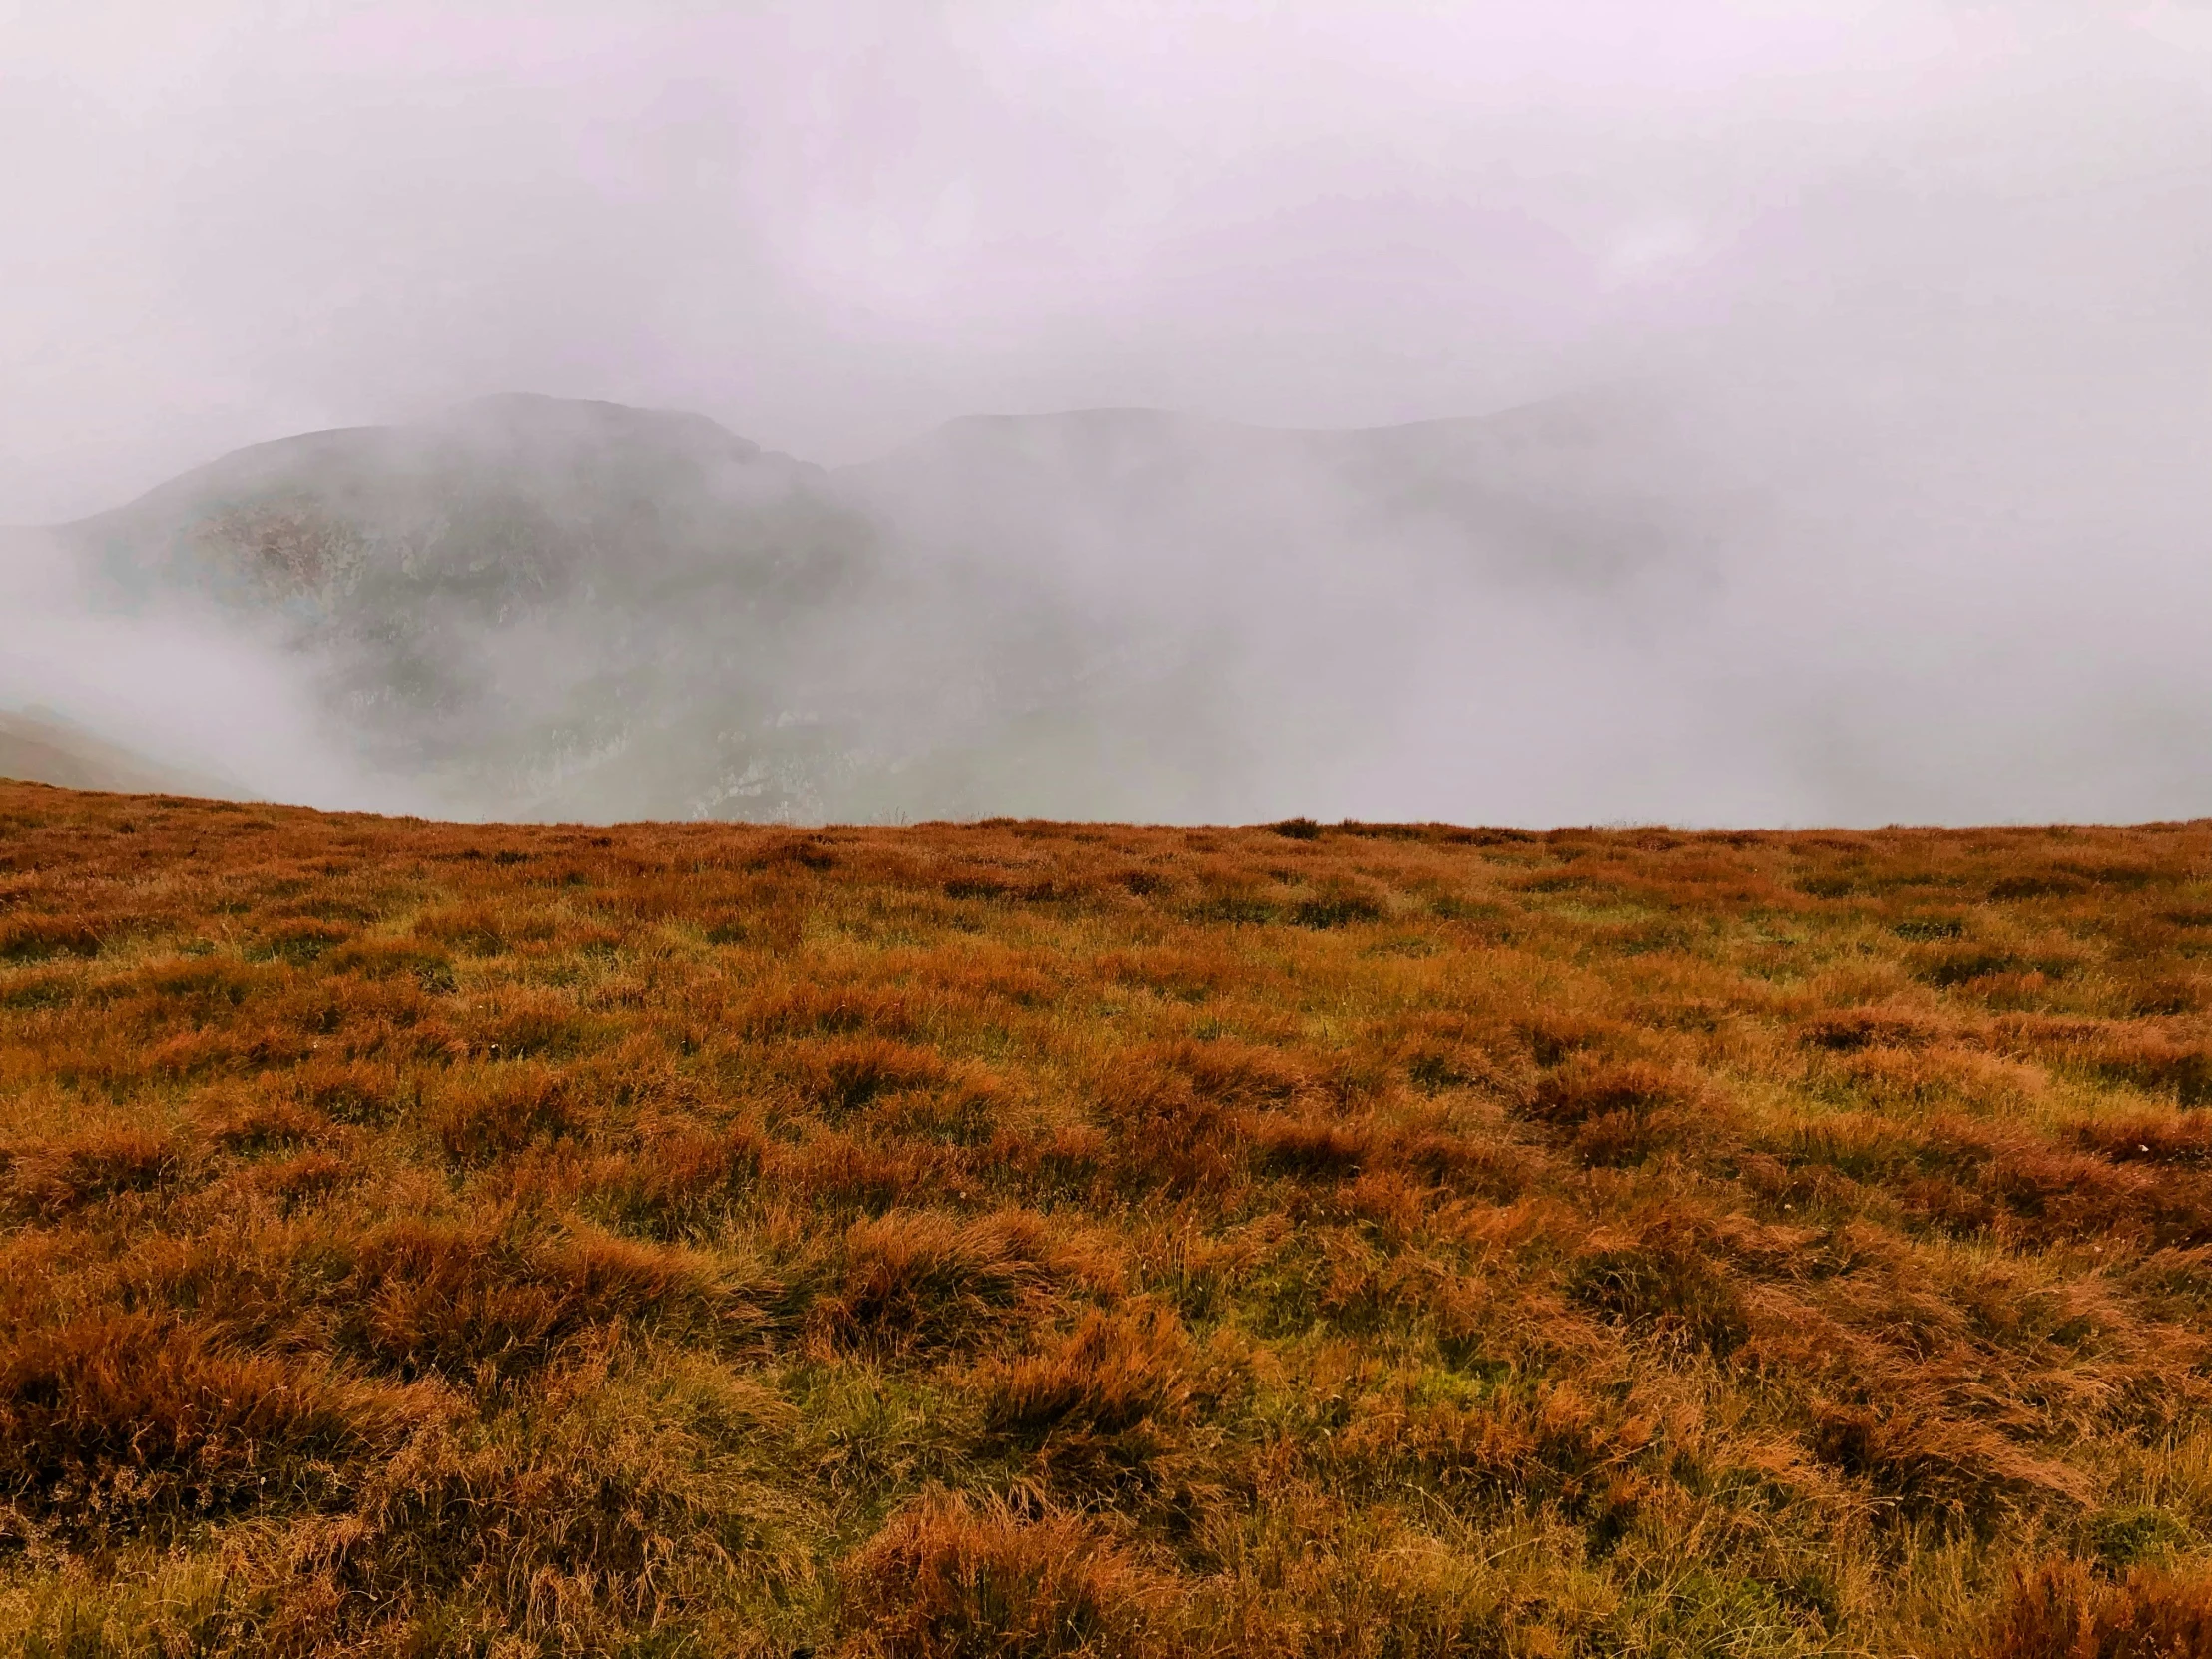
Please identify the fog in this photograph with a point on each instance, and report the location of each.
(1882, 335)
(198, 702)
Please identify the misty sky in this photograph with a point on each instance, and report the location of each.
(833, 224)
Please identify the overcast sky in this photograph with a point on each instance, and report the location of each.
(833, 224)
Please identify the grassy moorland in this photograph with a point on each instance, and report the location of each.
(1036, 1239)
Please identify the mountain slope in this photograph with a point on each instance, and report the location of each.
(542, 605)
(536, 608)
(41, 747)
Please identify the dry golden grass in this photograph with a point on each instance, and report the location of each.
(1039, 1239)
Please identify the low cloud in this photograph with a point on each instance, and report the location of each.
(1921, 293)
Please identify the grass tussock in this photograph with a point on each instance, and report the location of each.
(967, 1581)
(1032, 1239)
(2060, 1611)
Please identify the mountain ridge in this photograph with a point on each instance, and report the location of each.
(536, 605)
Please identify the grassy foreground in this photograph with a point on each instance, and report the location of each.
(1037, 1238)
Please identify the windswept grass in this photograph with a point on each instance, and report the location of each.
(1033, 1239)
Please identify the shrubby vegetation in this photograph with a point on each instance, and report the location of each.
(1043, 1239)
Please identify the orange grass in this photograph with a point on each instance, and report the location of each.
(1046, 1239)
